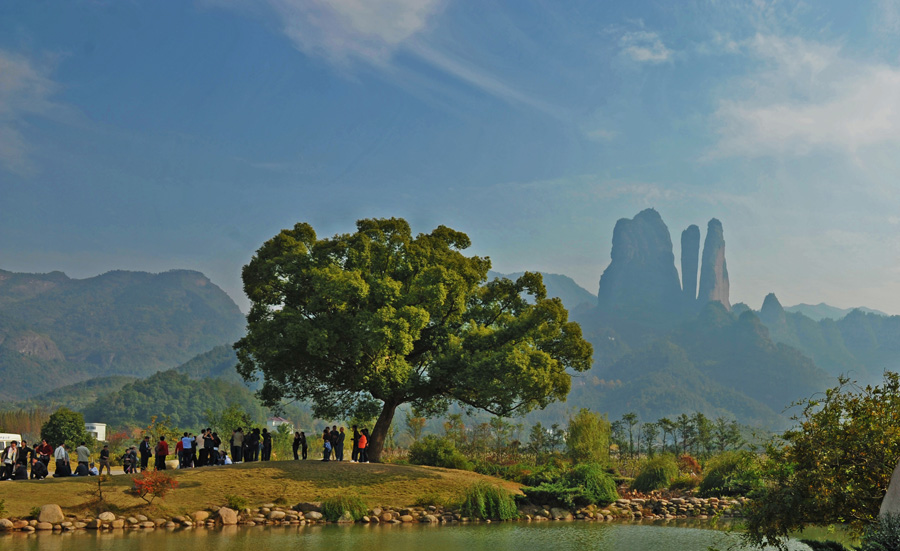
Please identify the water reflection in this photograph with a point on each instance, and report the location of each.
(549, 536)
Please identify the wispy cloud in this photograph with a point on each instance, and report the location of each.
(808, 96)
(25, 91)
(644, 46)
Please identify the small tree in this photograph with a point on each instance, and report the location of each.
(649, 433)
(152, 484)
(66, 426)
(415, 424)
(588, 437)
(630, 419)
(225, 421)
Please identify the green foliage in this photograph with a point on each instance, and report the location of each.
(658, 472)
(883, 534)
(438, 452)
(333, 508)
(686, 482)
(816, 545)
(34, 513)
(588, 437)
(227, 420)
(118, 323)
(184, 400)
(731, 474)
(2, 508)
(391, 319)
(597, 486)
(486, 501)
(66, 426)
(834, 466)
(436, 499)
(543, 441)
(236, 502)
(585, 484)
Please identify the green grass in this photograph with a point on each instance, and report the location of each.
(294, 481)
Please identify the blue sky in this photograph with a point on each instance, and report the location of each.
(182, 134)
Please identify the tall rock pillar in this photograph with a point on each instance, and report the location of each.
(713, 271)
(690, 257)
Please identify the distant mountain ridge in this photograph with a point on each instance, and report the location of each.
(561, 286)
(818, 312)
(55, 330)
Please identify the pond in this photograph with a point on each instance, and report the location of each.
(544, 536)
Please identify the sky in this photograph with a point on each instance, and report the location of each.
(183, 134)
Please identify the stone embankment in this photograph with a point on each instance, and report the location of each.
(52, 518)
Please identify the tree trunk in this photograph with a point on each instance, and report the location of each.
(379, 432)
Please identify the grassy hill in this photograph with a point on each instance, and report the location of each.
(290, 481)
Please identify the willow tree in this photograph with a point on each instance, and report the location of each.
(358, 324)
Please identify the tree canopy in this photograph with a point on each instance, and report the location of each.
(363, 322)
(65, 427)
(834, 466)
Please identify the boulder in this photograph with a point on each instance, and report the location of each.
(307, 506)
(428, 519)
(148, 524)
(95, 524)
(118, 523)
(200, 516)
(277, 515)
(560, 514)
(44, 526)
(19, 524)
(107, 516)
(313, 515)
(406, 518)
(346, 518)
(51, 514)
(387, 517)
(6, 525)
(227, 516)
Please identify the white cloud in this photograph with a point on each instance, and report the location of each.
(808, 96)
(345, 30)
(25, 90)
(645, 47)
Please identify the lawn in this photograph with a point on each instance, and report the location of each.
(285, 482)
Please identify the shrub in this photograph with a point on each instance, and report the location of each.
(333, 508)
(687, 464)
(686, 482)
(34, 513)
(486, 501)
(151, 485)
(553, 494)
(731, 474)
(236, 502)
(597, 486)
(438, 452)
(883, 535)
(656, 473)
(2, 508)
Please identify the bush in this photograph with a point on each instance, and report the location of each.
(333, 508)
(687, 464)
(485, 501)
(151, 485)
(883, 535)
(731, 474)
(438, 452)
(236, 502)
(656, 473)
(687, 482)
(553, 493)
(597, 486)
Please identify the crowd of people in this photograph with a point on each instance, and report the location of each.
(202, 450)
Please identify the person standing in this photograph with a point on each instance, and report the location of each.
(334, 441)
(63, 466)
(363, 446)
(43, 452)
(266, 445)
(354, 453)
(303, 446)
(237, 445)
(162, 450)
(84, 454)
(146, 453)
(326, 443)
(104, 460)
(201, 448)
(186, 445)
(8, 460)
(339, 453)
(295, 445)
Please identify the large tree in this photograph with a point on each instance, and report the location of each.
(364, 322)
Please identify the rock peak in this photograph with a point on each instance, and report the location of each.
(690, 256)
(713, 269)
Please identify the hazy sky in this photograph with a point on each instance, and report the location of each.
(182, 134)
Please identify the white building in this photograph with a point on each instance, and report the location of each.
(272, 423)
(97, 430)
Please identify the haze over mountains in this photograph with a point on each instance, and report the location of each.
(664, 343)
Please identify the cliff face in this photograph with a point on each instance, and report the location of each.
(713, 270)
(690, 257)
(642, 273)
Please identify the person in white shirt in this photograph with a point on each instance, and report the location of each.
(61, 455)
(186, 444)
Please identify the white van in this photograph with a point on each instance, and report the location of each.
(7, 437)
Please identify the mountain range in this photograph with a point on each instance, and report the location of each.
(665, 341)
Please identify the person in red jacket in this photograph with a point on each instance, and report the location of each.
(162, 450)
(363, 445)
